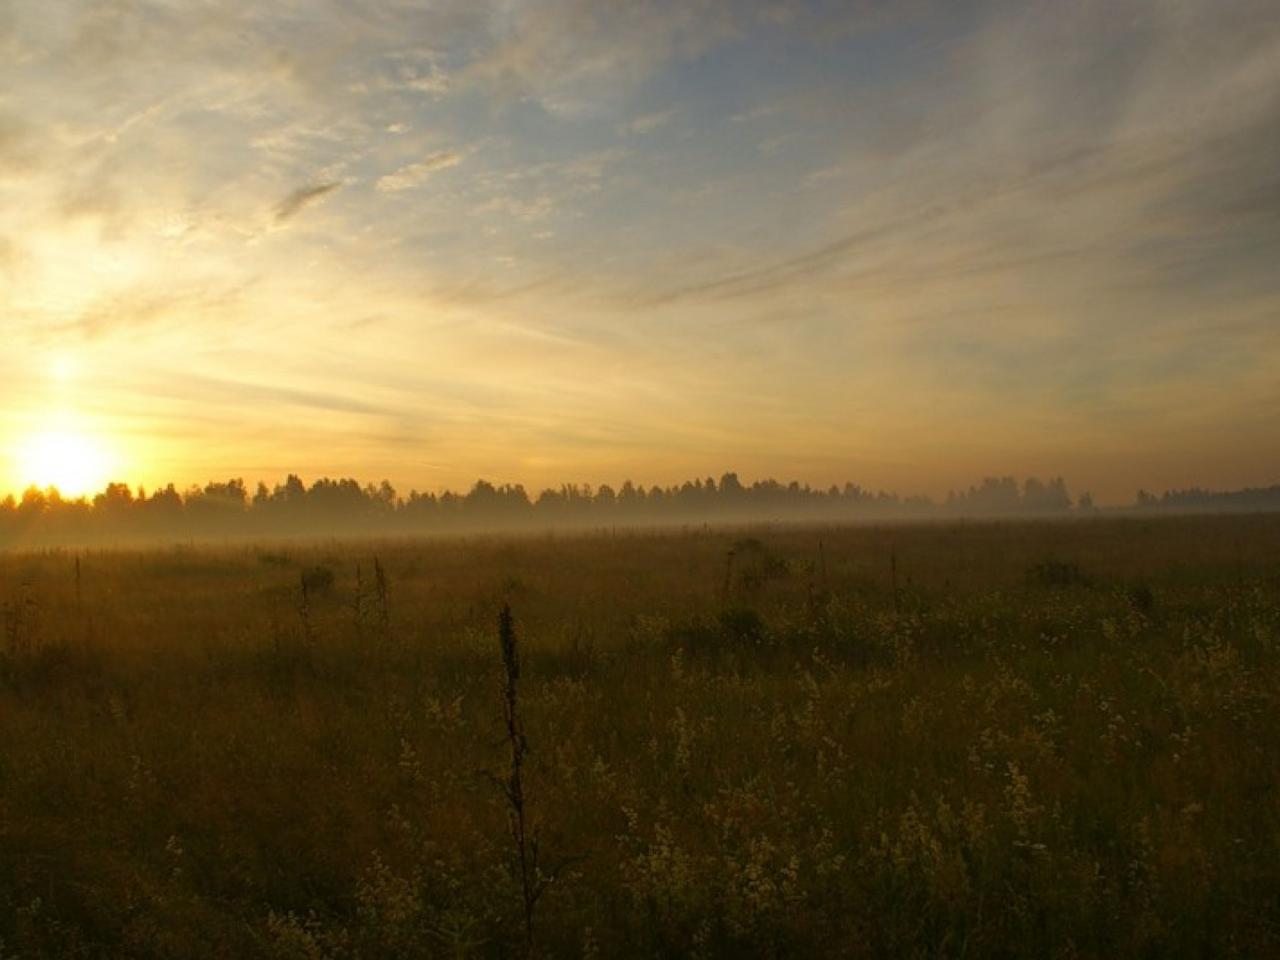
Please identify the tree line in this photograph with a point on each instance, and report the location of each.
(345, 507)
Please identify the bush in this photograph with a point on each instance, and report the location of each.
(317, 580)
(1056, 573)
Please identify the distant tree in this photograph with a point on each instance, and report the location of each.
(293, 492)
(1051, 497)
(34, 501)
(630, 498)
(117, 497)
(386, 495)
(606, 499)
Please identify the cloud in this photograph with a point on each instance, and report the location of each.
(237, 393)
(17, 154)
(755, 113)
(575, 56)
(528, 211)
(10, 258)
(406, 178)
(1145, 186)
(647, 123)
(433, 80)
(141, 307)
(304, 197)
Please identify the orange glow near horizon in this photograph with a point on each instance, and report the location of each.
(71, 460)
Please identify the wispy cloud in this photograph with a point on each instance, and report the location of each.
(413, 175)
(647, 123)
(303, 197)
(575, 57)
(237, 394)
(146, 305)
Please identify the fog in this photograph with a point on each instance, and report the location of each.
(347, 508)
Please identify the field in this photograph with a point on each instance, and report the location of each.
(1053, 740)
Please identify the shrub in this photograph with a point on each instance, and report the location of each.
(317, 580)
(1056, 573)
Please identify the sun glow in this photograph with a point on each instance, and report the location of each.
(70, 460)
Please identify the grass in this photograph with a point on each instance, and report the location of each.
(1053, 739)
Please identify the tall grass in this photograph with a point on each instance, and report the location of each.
(973, 754)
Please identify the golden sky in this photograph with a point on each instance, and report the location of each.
(905, 244)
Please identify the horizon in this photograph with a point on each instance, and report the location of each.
(255, 489)
(896, 243)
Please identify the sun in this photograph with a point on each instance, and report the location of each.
(72, 461)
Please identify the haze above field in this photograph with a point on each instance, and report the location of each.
(904, 244)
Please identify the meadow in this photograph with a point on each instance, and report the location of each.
(1049, 739)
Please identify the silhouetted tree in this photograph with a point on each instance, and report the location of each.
(344, 506)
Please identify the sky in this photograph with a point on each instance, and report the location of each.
(906, 244)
